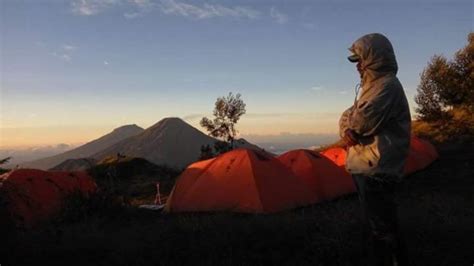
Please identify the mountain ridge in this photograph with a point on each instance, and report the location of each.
(87, 149)
(171, 142)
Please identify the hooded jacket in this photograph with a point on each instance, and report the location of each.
(380, 115)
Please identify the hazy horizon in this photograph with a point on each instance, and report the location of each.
(74, 70)
(275, 143)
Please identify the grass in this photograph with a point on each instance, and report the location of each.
(132, 180)
(436, 216)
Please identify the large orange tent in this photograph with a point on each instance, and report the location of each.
(421, 154)
(241, 180)
(325, 179)
(34, 196)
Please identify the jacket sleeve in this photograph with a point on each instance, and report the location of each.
(344, 121)
(370, 114)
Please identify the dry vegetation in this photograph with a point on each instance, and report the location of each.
(435, 212)
(458, 128)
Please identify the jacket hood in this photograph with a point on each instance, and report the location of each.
(376, 55)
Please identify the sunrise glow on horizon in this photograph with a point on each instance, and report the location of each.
(72, 71)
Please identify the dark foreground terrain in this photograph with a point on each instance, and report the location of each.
(436, 215)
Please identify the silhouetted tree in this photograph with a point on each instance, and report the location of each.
(447, 84)
(227, 112)
(222, 147)
(4, 161)
(206, 152)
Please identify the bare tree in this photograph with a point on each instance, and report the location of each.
(227, 112)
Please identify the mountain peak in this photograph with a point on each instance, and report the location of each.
(128, 127)
(170, 122)
(171, 141)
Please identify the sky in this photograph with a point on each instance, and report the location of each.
(72, 71)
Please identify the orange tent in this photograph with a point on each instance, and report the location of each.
(421, 154)
(336, 155)
(325, 179)
(34, 195)
(241, 180)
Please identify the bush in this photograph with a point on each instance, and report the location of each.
(459, 128)
(132, 180)
(446, 98)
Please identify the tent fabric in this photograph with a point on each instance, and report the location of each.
(241, 180)
(336, 155)
(421, 154)
(33, 196)
(325, 179)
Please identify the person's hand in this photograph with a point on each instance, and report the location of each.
(350, 138)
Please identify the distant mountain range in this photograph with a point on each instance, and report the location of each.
(171, 142)
(86, 150)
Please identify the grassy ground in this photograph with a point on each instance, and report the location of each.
(436, 215)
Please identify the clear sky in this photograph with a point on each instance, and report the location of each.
(74, 70)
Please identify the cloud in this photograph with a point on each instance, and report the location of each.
(342, 92)
(138, 8)
(142, 3)
(133, 15)
(317, 88)
(291, 115)
(279, 17)
(106, 63)
(64, 52)
(142, 6)
(91, 7)
(66, 57)
(192, 117)
(63, 56)
(285, 141)
(269, 115)
(68, 47)
(206, 11)
(309, 25)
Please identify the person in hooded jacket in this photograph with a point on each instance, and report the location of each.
(376, 132)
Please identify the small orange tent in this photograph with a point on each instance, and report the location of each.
(241, 180)
(325, 179)
(34, 195)
(337, 155)
(421, 154)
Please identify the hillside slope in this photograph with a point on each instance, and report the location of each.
(87, 149)
(171, 142)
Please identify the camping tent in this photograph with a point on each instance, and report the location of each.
(420, 155)
(336, 155)
(325, 179)
(241, 180)
(34, 195)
